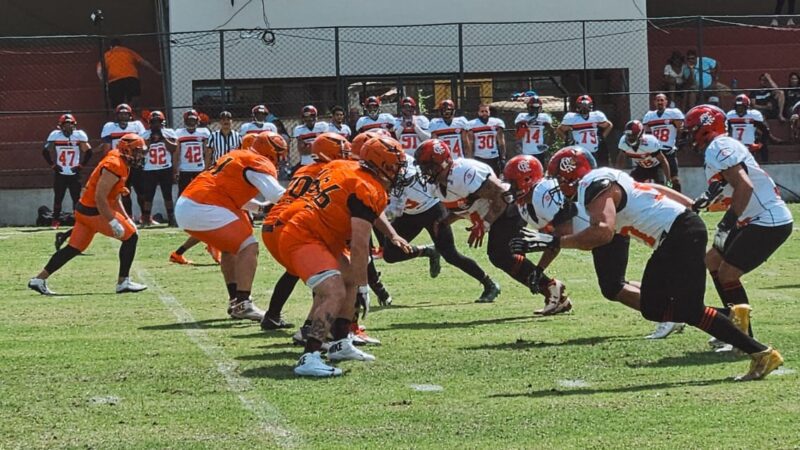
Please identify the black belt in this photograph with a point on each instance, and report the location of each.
(269, 228)
(86, 210)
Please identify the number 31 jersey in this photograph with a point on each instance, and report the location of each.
(190, 149)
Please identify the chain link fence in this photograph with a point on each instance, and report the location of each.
(620, 63)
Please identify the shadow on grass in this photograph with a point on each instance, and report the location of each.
(208, 323)
(554, 392)
(784, 286)
(83, 294)
(194, 264)
(289, 356)
(521, 344)
(276, 372)
(689, 359)
(33, 230)
(265, 334)
(445, 325)
(420, 306)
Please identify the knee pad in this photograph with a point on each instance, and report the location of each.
(610, 289)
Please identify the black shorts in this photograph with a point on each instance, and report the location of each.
(601, 155)
(184, 178)
(610, 265)
(157, 178)
(674, 279)
(123, 90)
(648, 175)
(672, 159)
(750, 246)
(494, 163)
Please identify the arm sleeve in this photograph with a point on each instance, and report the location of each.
(268, 186)
(360, 210)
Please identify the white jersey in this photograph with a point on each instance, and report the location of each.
(645, 154)
(158, 155)
(303, 133)
(646, 213)
(190, 149)
(366, 123)
(765, 208)
(450, 133)
(743, 128)
(253, 127)
(662, 126)
(546, 202)
(112, 132)
(533, 139)
(485, 135)
(408, 137)
(465, 179)
(416, 198)
(344, 131)
(585, 131)
(68, 150)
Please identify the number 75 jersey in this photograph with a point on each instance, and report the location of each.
(585, 130)
(190, 149)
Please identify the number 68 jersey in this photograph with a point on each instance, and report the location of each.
(190, 149)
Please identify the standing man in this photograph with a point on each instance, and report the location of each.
(757, 221)
(72, 150)
(337, 124)
(534, 129)
(646, 152)
(587, 129)
(452, 130)
(660, 218)
(158, 168)
(306, 132)
(122, 73)
(259, 122)
(111, 134)
(410, 129)
(222, 141)
(666, 124)
(373, 118)
(100, 211)
(748, 126)
(488, 142)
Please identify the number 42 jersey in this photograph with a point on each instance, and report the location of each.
(190, 148)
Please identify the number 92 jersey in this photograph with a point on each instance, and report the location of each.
(158, 155)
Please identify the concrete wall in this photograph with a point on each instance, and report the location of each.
(15, 212)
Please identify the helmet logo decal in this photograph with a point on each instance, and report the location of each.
(524, 166)
(567, 164)
(438, 148)
(706, 119)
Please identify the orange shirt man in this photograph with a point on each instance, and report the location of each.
(122, 72)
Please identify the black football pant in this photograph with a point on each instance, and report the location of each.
(505, 228)
(62, 183)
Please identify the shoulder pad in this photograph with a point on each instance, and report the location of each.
(596, 188)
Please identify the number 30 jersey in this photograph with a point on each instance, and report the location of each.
(190, 148)
(486, 136)
(585, 130)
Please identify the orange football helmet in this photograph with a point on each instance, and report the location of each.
(247, 141)
(132, 147)
(359, 140)
(330, 146)
(271, 145)
(385, 157)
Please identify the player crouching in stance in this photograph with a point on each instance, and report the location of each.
(100, 211)
(210, 209)
(673, 283)
(313, 234)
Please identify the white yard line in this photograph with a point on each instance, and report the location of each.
(269, 417)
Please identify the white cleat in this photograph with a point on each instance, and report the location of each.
(360, 337)
(726, 348)
(664, 329)
(129, 286)
(344, 349)
(39, 285)
(716, 343)
(246, 309)
(311, 365)
(556, 299)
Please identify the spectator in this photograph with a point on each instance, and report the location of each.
(337, 124)
(714, 100)
(779, 8)
(122, 73)
(673, 79)
(699, 70)
(770, 99)
(225, 139)
(791, 94)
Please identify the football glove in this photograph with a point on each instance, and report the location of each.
(117, 228)
(708, 197)
(724, 228)
(476, 232)
(362, 301)
(56, 168)
(532, 241)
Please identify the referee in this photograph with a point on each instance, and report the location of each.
(223, 141)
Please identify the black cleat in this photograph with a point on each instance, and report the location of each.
(269, 324)
(435, 263)
(491, 290)
(61, 237)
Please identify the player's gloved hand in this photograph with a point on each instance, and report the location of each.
(708, 197)
(476, 232)
(724, 228)
(56, 168)
(532, 241)
(362, 301)
(668, 184)
(77, 169)
(117, 228)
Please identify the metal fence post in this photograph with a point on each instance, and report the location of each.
(700, 86)
(222, 93)
(585, 72)
(340, 94)
(461, 89)
(104, 74)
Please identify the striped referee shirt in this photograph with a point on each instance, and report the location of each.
(222, 144)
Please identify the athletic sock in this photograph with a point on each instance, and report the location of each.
(312, 345)
(60, 258)
(340, 329)
(280, 295)
(719, 326)
(242, 296)
(127, 251)
(231, 290)
(181, 250)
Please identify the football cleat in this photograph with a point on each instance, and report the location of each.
(725, 348)
(434, 263)
(216, 255)
(556, 299)
(360, 336)
(129, 286)
(384, 298)
(174, 257)
(761, 364)
(300, 336)
(269, 323)
(740, 316)
(491, 289)
(39, 285)
(245, 309)
(343, 349)
(716, 343)
(311, 365)
(61, 238)
(664, 329)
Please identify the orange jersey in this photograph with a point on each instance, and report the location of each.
(225, 184)
(121, 63)
(345, 191)
(114, 163)
(303, 180)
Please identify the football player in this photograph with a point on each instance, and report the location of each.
(646, 152)
(158, 169)
(373, 118)
(259, 123)
(110, 135)
(587, 129)
(306, 132)
(534, 129)
(666, 124)
(410, 128)
(747, 125)
(337, 124)
(452, 130)
(659, 217)
(210, 209)
(100, 210)
(72, 150)
(757, 221)
(488, 142)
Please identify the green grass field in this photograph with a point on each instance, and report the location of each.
(167, 369)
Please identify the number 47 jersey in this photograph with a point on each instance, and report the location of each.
(190, 149)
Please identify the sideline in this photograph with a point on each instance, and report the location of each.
(268, 416)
